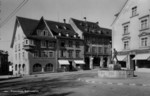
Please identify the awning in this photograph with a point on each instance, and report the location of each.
(122, 58)
(79, 61)
(63, 62)
(142, 57)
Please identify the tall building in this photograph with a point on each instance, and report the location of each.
(131, 35)
(97, 41)
(4, 65)
(41, 46)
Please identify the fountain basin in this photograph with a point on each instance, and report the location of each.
(115, 73)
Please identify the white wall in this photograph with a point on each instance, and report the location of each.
(143, 7)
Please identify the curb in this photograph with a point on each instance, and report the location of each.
(112, 83)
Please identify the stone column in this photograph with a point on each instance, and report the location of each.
(42, 69)
(101, 61)
(128, 62)
(91, 62)
(108, 61)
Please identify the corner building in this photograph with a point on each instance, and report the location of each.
(41, 46)
(97, 42)
(131, 35)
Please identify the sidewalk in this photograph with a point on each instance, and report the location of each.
(142, 79)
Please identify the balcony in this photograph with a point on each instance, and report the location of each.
(28, 47)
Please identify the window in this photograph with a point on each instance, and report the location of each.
(134, 11)
(100, 50)
(19, 56)
(70, 53)
(26, 41)
(126, 29)
(50, 54)
(93, 49)
(15, 47)
(105, 50)
(43, 44)
(16, 56)
(144, 24)
(77, 44)
(37, 67)
(36, 54)
(18, 47)
(48, 67)
(126, 44)
(38, 32)
(45, 33)
(144, 41)
(16, 67)
(44, 54)
(23, 56)
(50, 44)
(70, 43)
(77, 53)
(62, 53)
(62, 44)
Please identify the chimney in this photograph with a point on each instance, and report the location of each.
(97, 22)
(84, 18)
(64, 20)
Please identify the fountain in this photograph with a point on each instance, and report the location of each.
(114, 69)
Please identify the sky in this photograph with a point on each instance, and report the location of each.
(102, 11)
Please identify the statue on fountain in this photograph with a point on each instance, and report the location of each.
(116, 65)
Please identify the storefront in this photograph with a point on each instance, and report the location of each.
(79, 64)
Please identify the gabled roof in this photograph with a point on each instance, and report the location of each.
(28, 25)
(91, 27)
(118, 14)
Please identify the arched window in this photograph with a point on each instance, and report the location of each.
(16, 67)
(37, 68)
(48, 67)
(23, 67)
(19, 66)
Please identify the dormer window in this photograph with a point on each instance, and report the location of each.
(45, 33)
(38, 32)
(67, 35)
(59, 34)
(65, 28)
(75, 36)
(57, 26)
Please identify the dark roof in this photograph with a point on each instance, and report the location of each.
(91, 27)
(63, 28)
(29, 25)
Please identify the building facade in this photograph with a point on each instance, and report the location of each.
(131, 35)
(97, 42)
(37, 46)
(4, 65)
